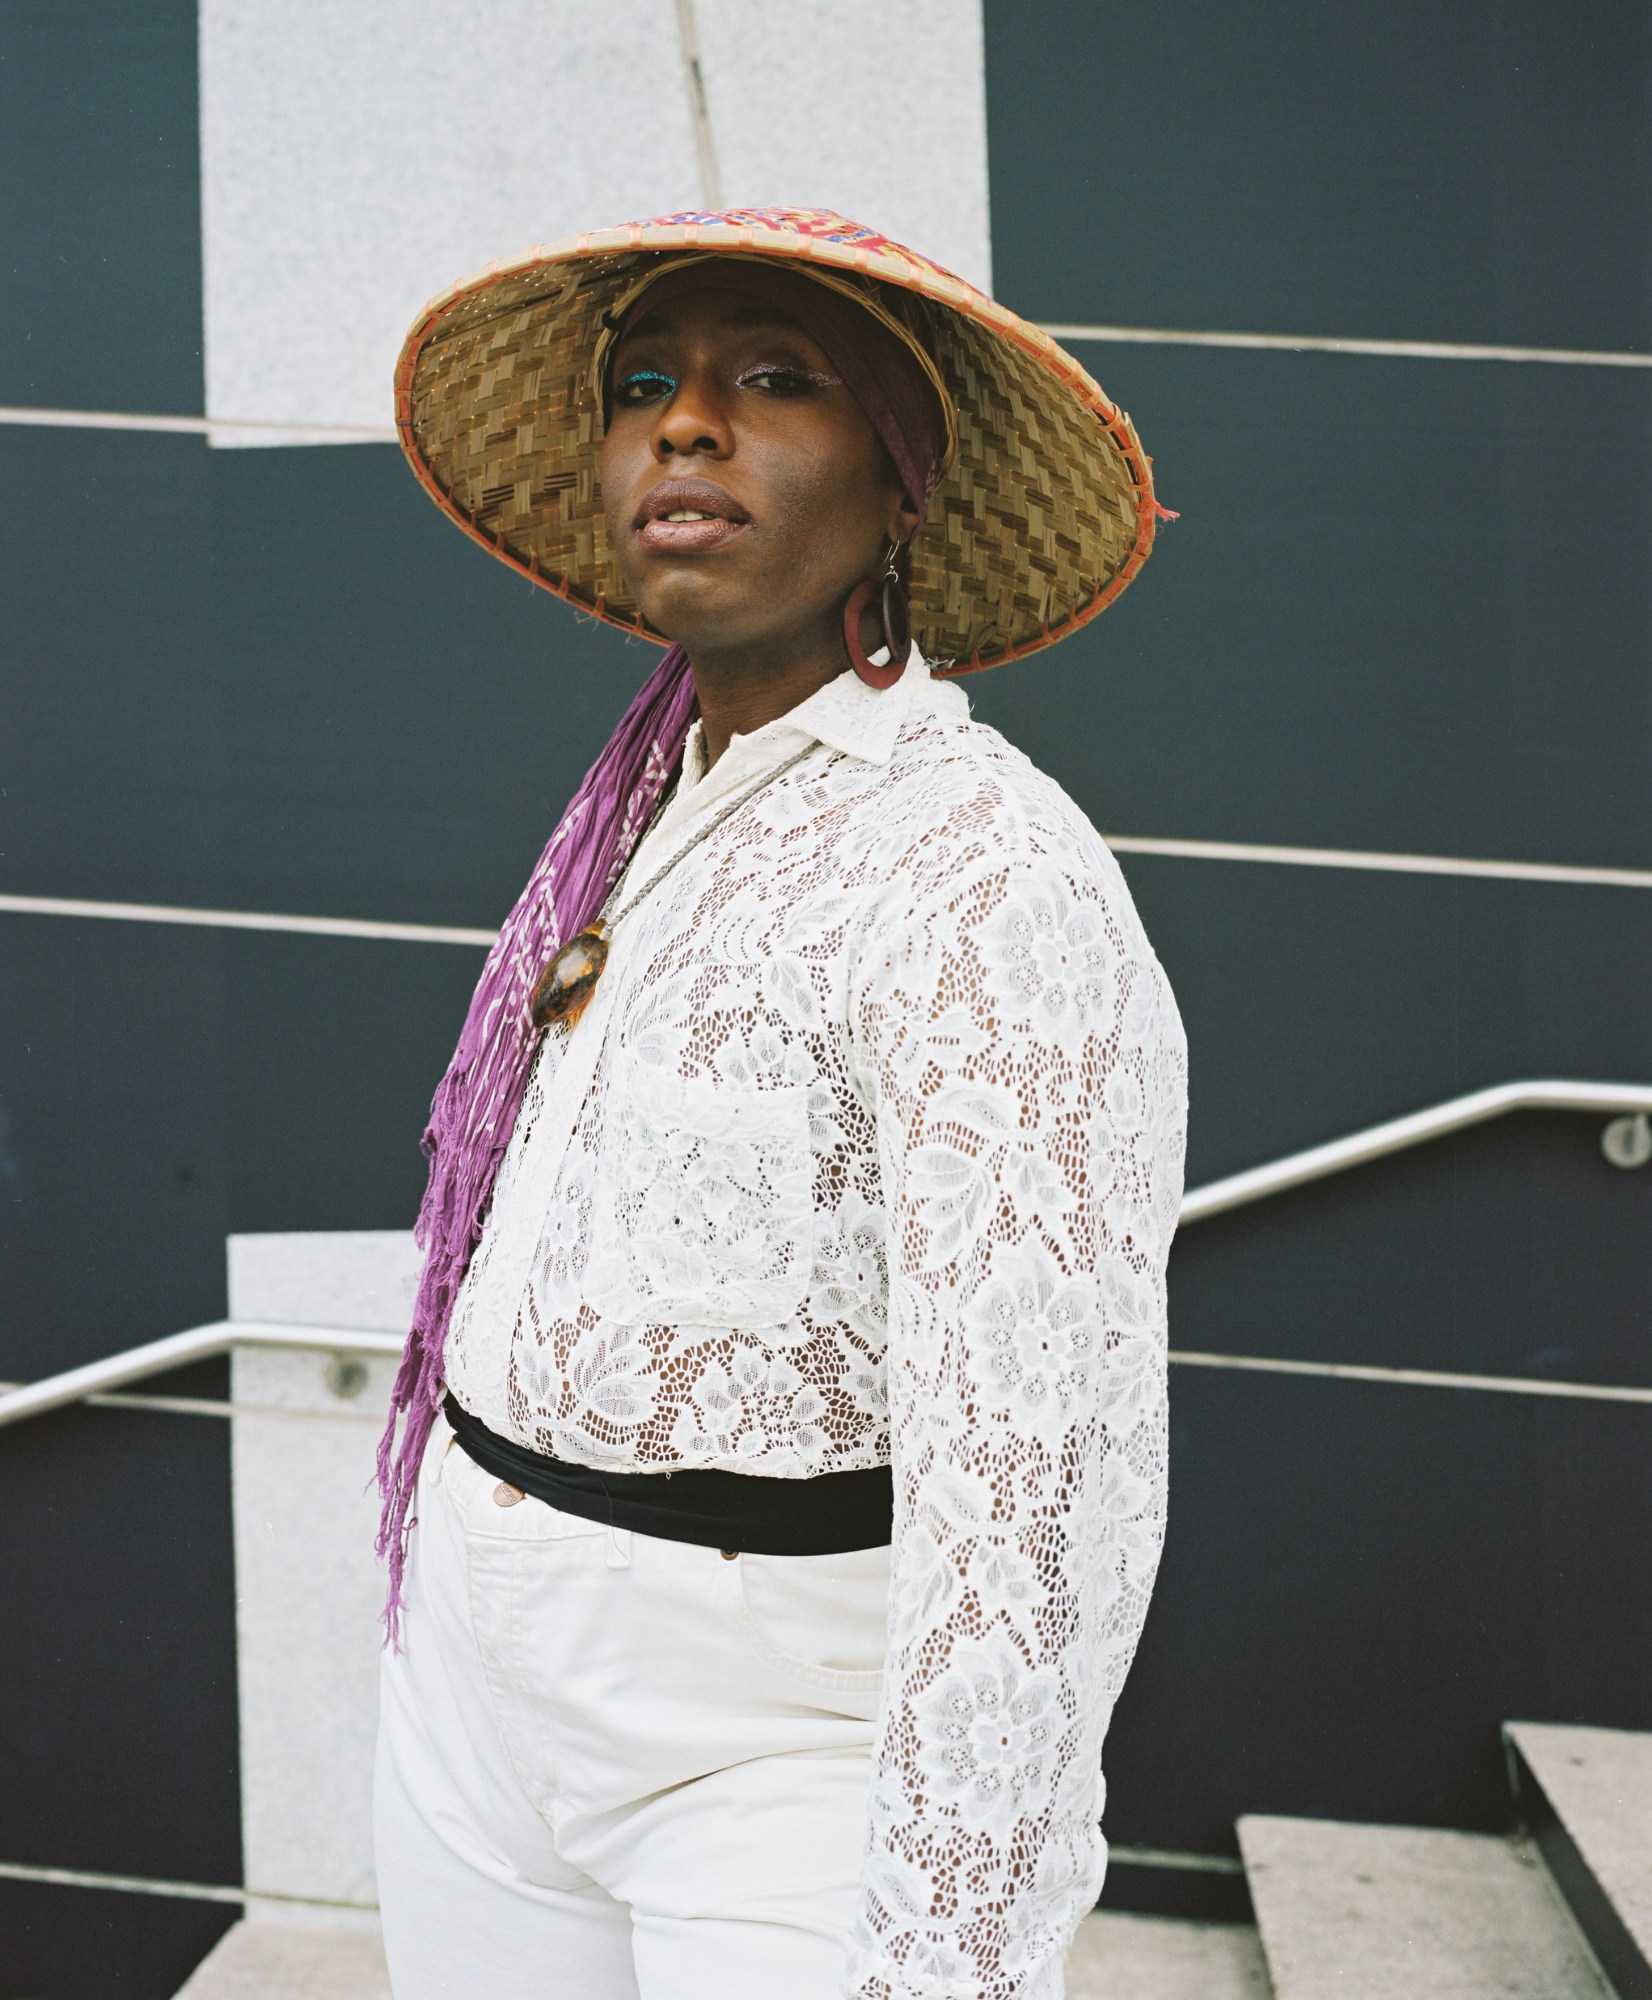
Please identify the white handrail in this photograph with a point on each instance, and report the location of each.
(201, 1342)
(1337, 1155)
(198, 1343)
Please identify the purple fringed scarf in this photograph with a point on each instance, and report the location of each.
(475, 1106)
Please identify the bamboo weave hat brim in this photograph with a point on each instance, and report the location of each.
(1043, 515)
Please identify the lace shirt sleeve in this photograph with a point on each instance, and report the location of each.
(1027, 1066)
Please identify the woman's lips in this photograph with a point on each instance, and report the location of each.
(691, 537)
(689, 517)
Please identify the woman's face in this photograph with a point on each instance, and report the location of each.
(746, 490)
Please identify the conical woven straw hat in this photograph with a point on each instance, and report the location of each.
(1043, 515)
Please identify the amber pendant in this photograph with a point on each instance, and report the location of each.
(567, 983)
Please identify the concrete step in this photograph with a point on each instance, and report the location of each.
(1586, 1795)
(1115, 1957)
(291, 1960)
(1410, 1913)
(1120, 1957)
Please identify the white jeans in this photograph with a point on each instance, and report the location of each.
(612, 1767)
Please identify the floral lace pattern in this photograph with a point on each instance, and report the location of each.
(869, 1150)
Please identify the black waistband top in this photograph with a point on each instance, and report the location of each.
(732, 1511)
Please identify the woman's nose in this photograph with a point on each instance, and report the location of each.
(693, 422)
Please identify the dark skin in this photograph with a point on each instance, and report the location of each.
(724, 408)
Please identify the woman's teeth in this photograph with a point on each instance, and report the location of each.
(685, 515)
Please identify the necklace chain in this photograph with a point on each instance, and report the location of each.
(694, 840)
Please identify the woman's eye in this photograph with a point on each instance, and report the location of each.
(775, 379)
(644, 385)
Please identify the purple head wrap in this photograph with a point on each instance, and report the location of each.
(475, 1107)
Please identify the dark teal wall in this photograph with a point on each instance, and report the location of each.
(100, 206)
(1399, 171)
(1406, 608)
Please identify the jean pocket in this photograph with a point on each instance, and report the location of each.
(820, 1619)
(704, 1202)
(433, 1462)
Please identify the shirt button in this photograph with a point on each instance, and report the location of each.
(729, 1555)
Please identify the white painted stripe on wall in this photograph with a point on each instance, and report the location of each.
(1196, 850)
(283, 431)
(1244, 1364)
(245, 920)
(118, 420)
(259, 430)
(1416, 1378)
(151, 1885)
(1175, 1857)
(356, 160)
(289, 431)
(1310, 343)
(1387, 864)
(130, 1885)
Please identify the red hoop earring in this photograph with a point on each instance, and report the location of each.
(897, 629)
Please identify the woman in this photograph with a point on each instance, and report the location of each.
(785, 1407)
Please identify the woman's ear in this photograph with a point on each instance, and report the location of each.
(903, 519)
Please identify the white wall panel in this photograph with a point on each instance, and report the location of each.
(877, 108)
(359, 155)
(307, 1588)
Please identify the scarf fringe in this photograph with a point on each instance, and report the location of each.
(474, 1110)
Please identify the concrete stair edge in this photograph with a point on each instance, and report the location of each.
(1352, 1911)
(1588, 1869)
(299, 1955)
(289, 1958)
(1119, 1955)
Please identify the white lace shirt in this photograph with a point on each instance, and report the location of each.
(868, 1150)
